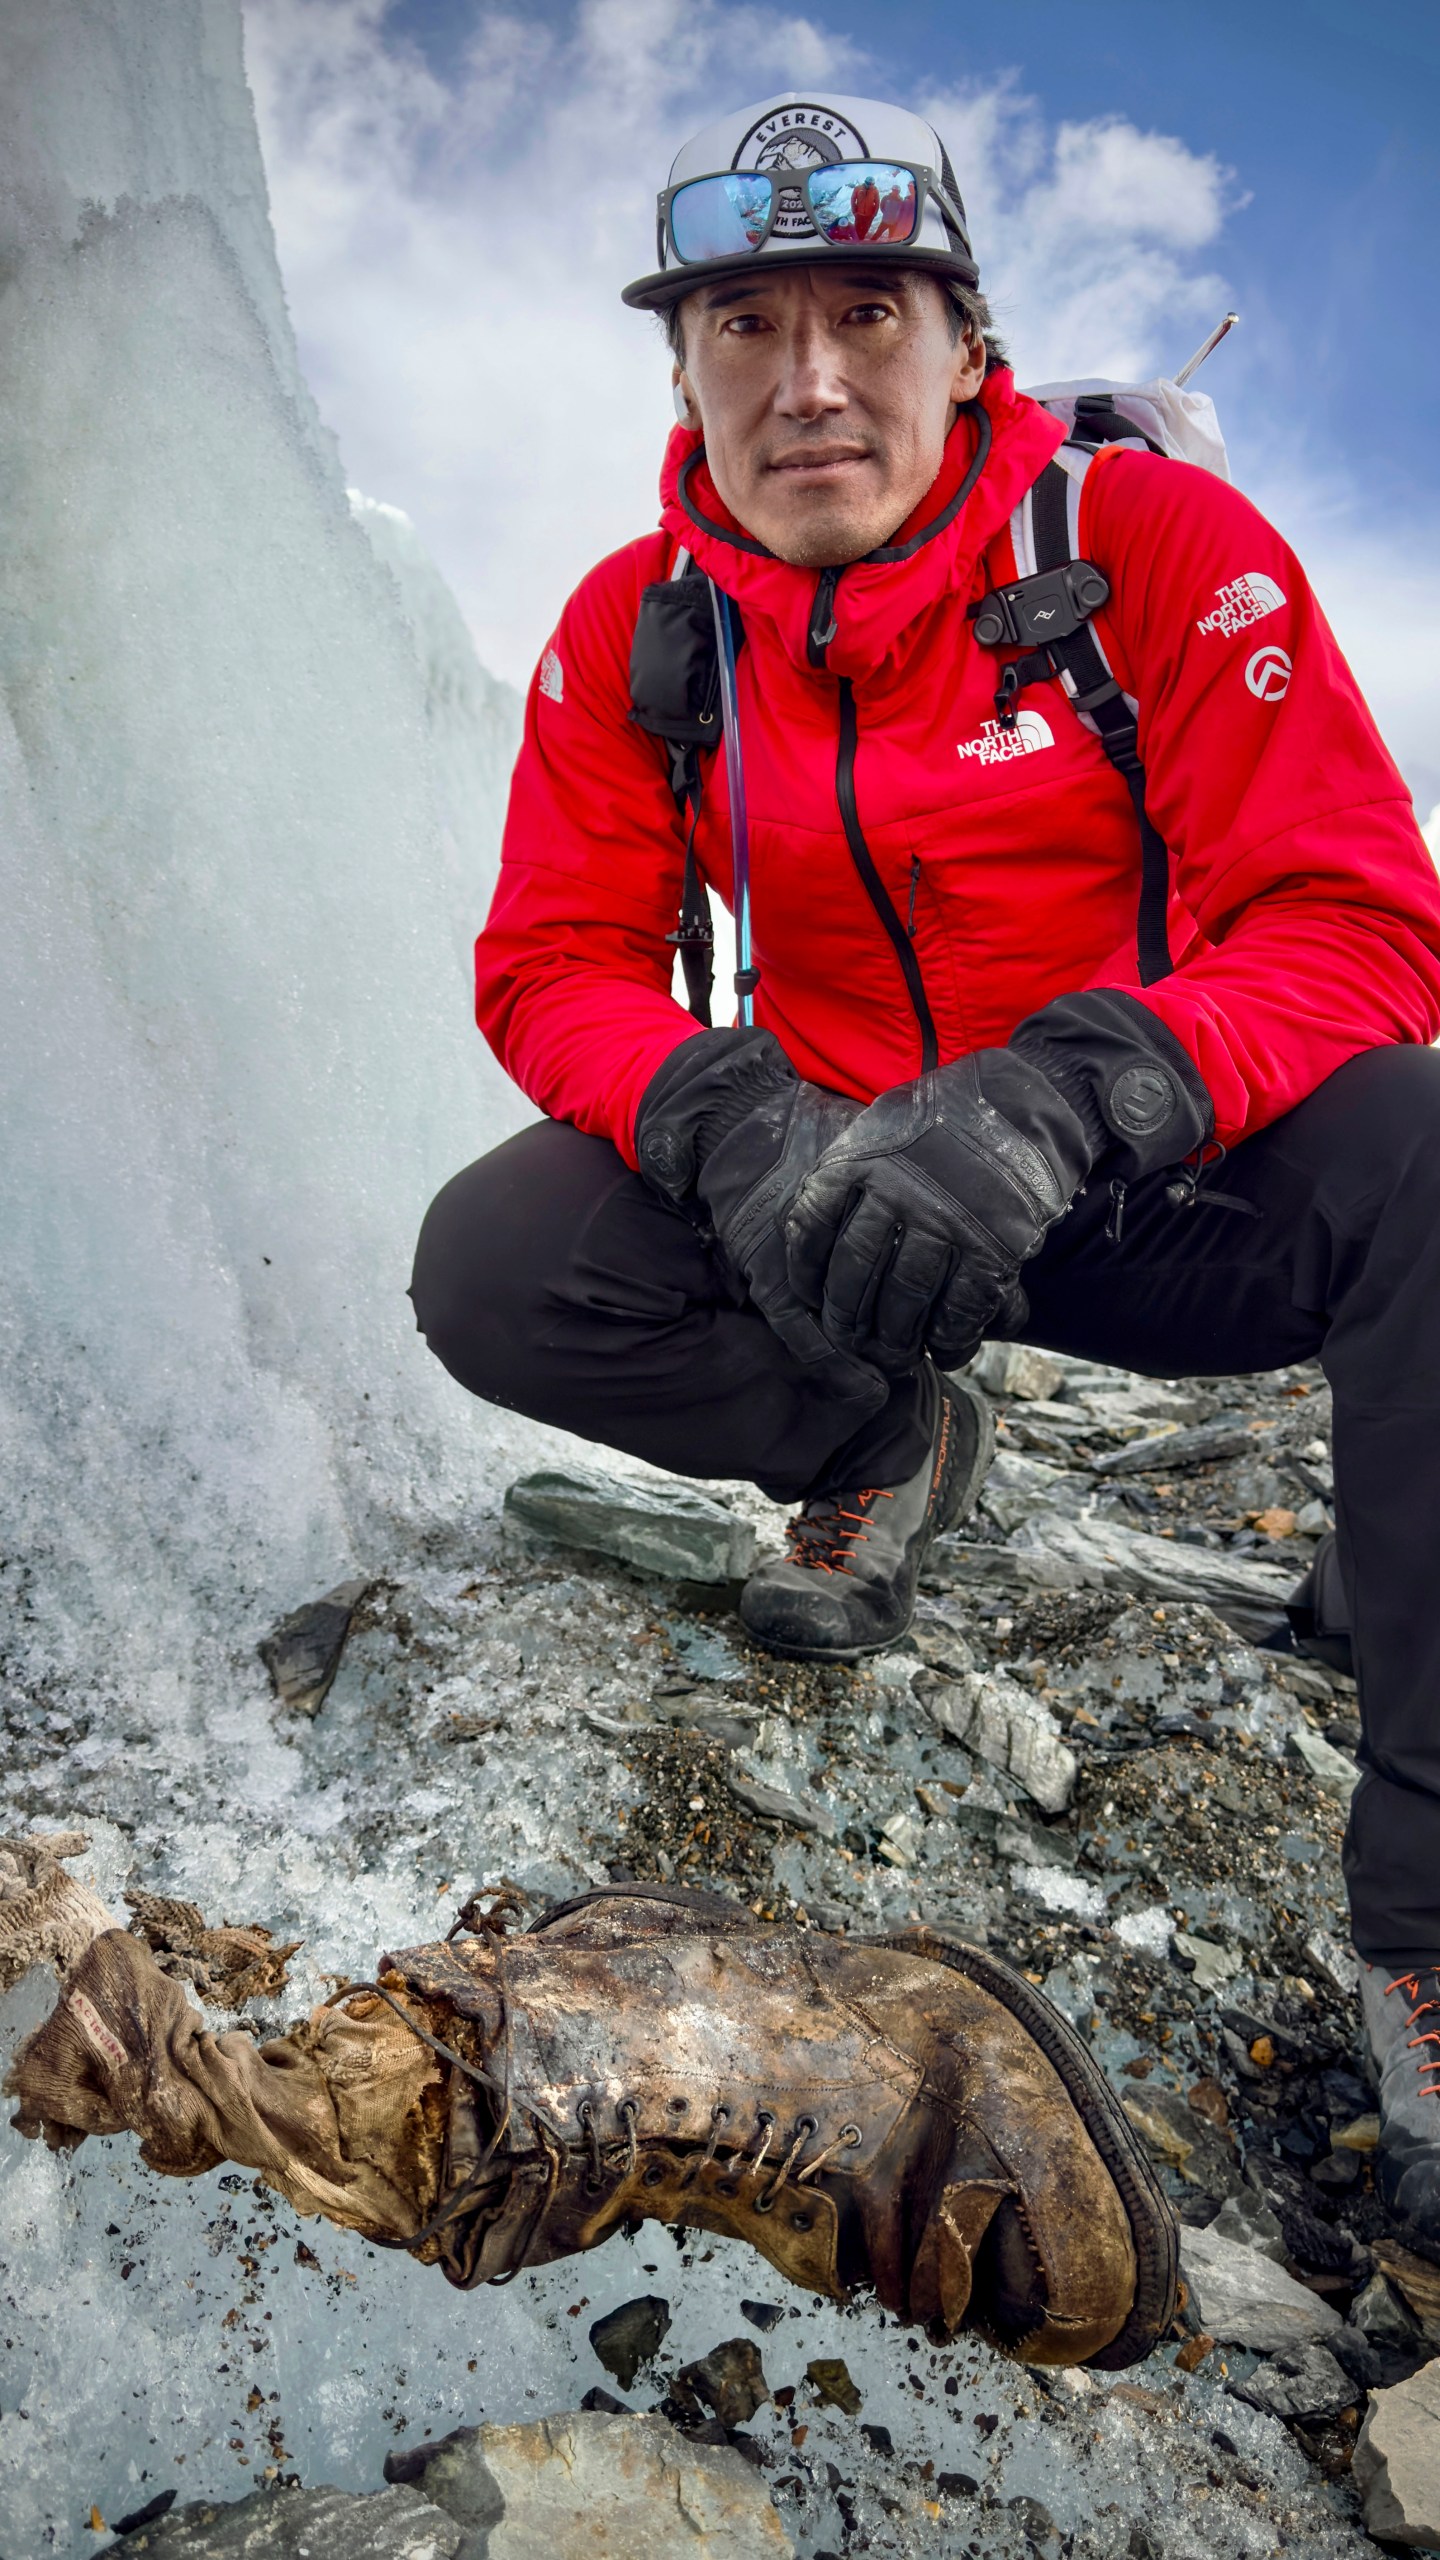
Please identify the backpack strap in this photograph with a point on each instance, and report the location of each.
(1051, 607)
(675, 696)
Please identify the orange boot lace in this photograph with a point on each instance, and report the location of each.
(825, 1540)
(1422, 2003)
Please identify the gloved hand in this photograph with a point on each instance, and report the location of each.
(728, 1122)
(910, 1233)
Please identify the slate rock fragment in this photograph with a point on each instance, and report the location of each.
(1380, 2314)
(278, 2524)
(763, 2316)
(592, 2486)
(773, 1804)
(302, 1655)
(1186, 2140)
(1331, 1769)
(1245, 2300)
(730, 2381)
(1417, 2280)
(670, 1530)
(1397, 2461)
(831, 2380)
(628, 2337)
(991, 1715)
(1303, 2382)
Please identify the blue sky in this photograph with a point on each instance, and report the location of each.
(459, 187)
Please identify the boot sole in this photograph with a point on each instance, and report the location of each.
(1153, 2227)
(963, 1495)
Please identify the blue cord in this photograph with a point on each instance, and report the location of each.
(745, 976)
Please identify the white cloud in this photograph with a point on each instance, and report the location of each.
(453, 252)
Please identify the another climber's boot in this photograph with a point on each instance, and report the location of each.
(848, 1582)
(904, 2114)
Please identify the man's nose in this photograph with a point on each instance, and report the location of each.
(811, 383)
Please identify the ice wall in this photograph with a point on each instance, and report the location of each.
(250, 776)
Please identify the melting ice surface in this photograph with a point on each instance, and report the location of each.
(250, 786)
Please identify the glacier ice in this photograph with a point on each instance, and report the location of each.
(250, 780)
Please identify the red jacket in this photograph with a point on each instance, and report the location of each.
(1306, 912)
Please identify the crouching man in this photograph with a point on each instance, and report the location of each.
(1038, 933)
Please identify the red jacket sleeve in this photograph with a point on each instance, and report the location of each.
(1295, 847)
(573, 966)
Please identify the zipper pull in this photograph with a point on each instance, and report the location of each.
(823, 625)
(1115, 1223)
(914, 885)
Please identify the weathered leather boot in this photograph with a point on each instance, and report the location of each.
(848, 1584)
(903, 2113)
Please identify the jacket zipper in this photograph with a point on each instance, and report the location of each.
(875, 888)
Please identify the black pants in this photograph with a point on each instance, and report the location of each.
(549, 1280)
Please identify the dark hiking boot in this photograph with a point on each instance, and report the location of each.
(1402, 2022)
(903, 2114)
(848, 1582)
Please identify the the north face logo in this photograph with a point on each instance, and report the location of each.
(1000, 746)
(1247, 599)
(552, 677)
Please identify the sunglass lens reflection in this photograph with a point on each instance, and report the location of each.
(720, 217)
(865, 201)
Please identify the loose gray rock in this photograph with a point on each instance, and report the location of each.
(1331, 1769)
(730, 2381)
(1247, 2219)
(1379, 2314)
(1210, 1966)
(303, 1654)
(591, 2486)
(1103, 1555)
(1170, 2127)
(772, 1804)
(1013, 1369)
(1021, 1843)
(1336, 1963)
(1397, 2462)
(1172, 1452)
(665, 1529)
(281, 2524)
(629, 2336)
(1305, 2383)
(1245, 2300)
(998, 1720)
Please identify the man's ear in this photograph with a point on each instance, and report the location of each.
(969, 370)
(686, 409)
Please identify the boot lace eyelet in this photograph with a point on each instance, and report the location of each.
(654, 2176)
(802, 2221)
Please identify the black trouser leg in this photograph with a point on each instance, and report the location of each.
(1343, 1261)
(550, 1280)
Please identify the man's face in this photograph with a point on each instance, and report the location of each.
(825, 395)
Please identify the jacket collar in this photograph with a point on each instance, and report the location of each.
(935, 553)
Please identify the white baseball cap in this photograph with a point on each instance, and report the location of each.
(759, 185)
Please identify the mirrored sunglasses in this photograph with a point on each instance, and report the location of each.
(851, 204)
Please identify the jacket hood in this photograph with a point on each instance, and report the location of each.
(939, 547)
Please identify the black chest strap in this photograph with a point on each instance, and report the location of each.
(675, 696)
(1049, 614)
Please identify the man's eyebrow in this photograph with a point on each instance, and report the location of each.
(846, 271)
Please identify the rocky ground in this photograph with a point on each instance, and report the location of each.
(1094, 1754)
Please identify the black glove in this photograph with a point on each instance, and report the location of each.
(729, 1123)
(911, 1231)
